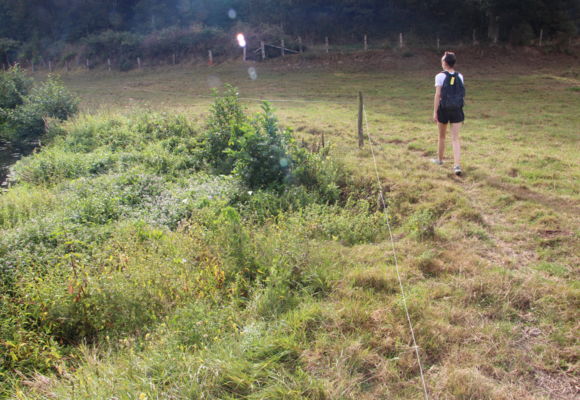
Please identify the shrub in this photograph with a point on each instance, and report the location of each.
(319, 174)
(226, 120)
(14, 86)
(261, 154)
(256, 150)
(49, 100)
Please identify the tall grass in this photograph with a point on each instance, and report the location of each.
(121, 228)
(193, 285)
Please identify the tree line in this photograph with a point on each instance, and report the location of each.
(34, 27)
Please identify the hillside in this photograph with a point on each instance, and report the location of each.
(143, 266)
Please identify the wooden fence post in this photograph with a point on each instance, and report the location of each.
(139, 62)
(210, 58)
(474, 40)
(109, 64)
(366, 43)
(87, 63)
(49, 66)
(300, 44)
(283, 44)
(244, 53)
(360, 121)
(174, 58)
(32, 64)
(263, 49)
(67, 63)
(400, 40)
(541, 36)
(438, 42)
(326, 44)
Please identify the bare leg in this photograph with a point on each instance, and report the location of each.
(455, 141)
(442, 132)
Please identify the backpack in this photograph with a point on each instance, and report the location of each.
(452, 92)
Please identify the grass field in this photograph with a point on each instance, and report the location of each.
(489, 261)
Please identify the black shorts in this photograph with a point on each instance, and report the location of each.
(454, 116)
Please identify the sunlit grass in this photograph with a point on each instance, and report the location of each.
(489, 261)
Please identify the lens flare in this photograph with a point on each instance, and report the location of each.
(241, 40)
(232, 13)
(253, 73)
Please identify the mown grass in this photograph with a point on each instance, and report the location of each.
(281, 295)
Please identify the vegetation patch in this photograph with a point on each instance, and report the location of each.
(25, 111)
(147, 268)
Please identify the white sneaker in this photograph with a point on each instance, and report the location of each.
(457, 170)
(437, 161)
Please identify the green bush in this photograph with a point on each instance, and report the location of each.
(262, 154)
(29, 119)
(14, 86)
(256, 150)
(319, 174)
(226, 122)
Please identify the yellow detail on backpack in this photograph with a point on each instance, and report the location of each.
(452, 81)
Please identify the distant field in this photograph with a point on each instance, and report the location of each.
(490, 261)
(508, 114)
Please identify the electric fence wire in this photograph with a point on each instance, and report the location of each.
(387, 219)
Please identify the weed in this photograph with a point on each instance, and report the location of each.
(422, 224)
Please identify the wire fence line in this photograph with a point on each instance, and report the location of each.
(403, 42)
(401, 287)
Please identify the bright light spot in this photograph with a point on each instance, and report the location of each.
(283, 162)
(241, 40)
(253, 74)
(232, 13)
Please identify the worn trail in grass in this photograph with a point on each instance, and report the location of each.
(489, 260)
